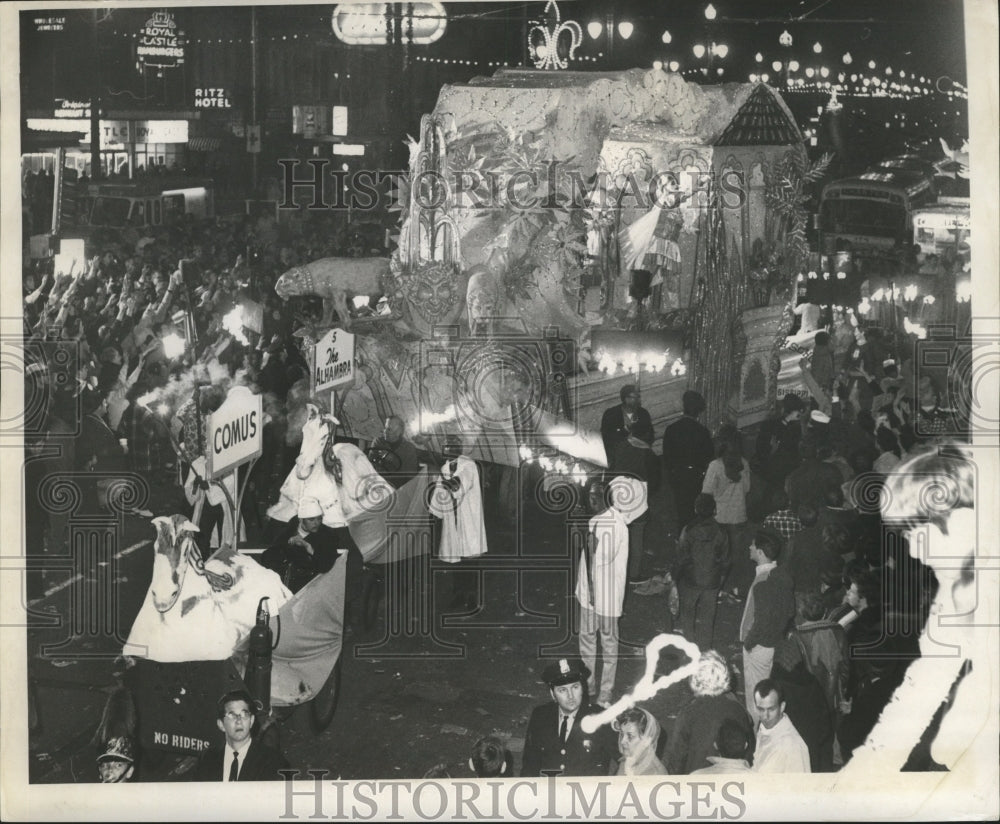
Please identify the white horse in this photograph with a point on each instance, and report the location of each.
(197, 611)
(342, 479)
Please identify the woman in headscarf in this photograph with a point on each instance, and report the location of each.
(638, 732)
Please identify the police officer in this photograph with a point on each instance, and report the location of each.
(555, 743)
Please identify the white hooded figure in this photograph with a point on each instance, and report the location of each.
(458, 502)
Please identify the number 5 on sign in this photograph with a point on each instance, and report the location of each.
(333, 361)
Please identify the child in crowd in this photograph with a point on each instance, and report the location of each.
(490, 758)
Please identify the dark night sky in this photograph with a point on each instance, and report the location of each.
(921, 37)
(926, 36)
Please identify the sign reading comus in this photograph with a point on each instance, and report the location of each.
(235, 432)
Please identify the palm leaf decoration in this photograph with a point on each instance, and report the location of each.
(786, 246)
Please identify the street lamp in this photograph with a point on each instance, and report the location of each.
(713, 51)
(710, 12)
(666, 37)
(785, 39)
(848, 59)
(818, 47)
(623, 29)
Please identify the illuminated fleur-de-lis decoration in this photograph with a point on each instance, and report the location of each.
(544, 42)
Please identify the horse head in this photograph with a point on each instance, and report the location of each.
(174, 542)
(317, 432)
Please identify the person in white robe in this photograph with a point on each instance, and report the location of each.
(600, 587)
(458, 502)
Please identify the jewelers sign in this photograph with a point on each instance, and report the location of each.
(333, 361)
(160, 43)
(235, 432)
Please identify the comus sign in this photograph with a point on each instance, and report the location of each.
(235, 432)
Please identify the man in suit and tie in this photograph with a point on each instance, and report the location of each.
(628, 418)
(243, 758)
(555, 743)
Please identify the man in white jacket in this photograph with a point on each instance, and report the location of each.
(600, 587)
(780, 748)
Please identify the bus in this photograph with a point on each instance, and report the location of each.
(145, 203)
(942, 226)
(871, 216)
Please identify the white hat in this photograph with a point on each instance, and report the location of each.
(310, 508)
(819, 417)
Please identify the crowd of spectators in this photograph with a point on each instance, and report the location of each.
(791, 528)
(128, 349)
(788, 526)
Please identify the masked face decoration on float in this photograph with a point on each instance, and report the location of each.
(432, 292)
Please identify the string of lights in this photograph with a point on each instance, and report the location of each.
(893, 85)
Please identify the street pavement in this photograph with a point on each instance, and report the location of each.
(417, 688)
(413, 694)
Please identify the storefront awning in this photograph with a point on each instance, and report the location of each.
(204, 144)
(35, 140)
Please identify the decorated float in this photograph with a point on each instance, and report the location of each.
(563, 234)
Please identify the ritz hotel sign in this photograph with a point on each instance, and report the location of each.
(211, 99)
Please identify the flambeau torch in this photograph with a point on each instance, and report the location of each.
(258, 677)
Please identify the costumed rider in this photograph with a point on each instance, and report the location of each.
(307, 548)
(394, 457)
(650, 250)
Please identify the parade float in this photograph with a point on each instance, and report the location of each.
(563, 234)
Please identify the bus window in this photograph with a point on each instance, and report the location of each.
(110, 211)
(137, 217)
(173, 208)
(156, 216)
(863, 217)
